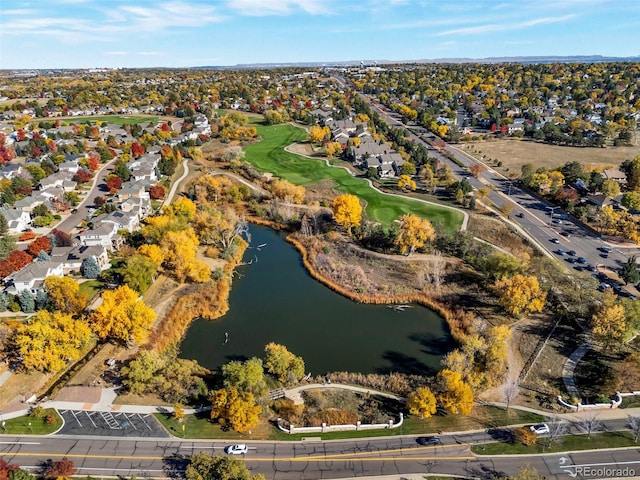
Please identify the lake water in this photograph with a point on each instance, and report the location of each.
(275, 299)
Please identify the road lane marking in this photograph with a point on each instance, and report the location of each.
(386, 451)
(19, 443)
(247, 459)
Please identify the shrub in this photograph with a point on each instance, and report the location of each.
(526, 436)
(28, 235)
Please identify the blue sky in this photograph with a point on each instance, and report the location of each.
(184, 33)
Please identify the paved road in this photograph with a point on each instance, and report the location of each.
(85, 208)
(298, 460)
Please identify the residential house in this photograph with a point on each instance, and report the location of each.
(71, 258)
(11, 170)
(128, 221)
(31, 276)
(106, 235)
(17, 219)
(615, 174)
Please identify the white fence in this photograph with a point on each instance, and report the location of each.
(291, 429)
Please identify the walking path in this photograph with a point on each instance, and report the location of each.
(569, 367)
(176, 184)
(295, 393)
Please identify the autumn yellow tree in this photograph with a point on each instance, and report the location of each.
(179, 250)
(347, 211)
(153, 252)
(64, 295)
(333, 149)
(520, 294)
(318, 134)
(182, 207)
(406, 183)
(122, 316)
(47, 341)
(608, 322)
(421, 402)
(279, 361)
(211, 188)
(413, 233)
(456, 395)
(218, 227)
(286, 190)
(238, 410)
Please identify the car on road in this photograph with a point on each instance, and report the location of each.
(571, 252)
(605, 249)
(520, 215)
(565, 233)
(540, 429)
(557, 220)
(428, 441)
(591, 268)
(570, 260)
(582, 260)
(560, 252)
(239, 449)
(554, 240)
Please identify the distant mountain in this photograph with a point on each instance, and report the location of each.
(526, 59)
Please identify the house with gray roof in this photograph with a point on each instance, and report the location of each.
(105, 234)
(17, 219)
(71, 258)
(31, 276)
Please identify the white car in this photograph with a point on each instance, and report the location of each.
(236, 449)
(540, 429)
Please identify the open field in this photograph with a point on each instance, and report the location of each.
(269, 155)
(515, 153)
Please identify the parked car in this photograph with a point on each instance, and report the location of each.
(570, 260)
(582, 260)
(591, 268)
(557, 220)
(572, 252)
(428, 440)
(540, 429)
(560, 252)
(240, 449)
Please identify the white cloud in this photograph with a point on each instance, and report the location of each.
(505, 26)
(277, 7)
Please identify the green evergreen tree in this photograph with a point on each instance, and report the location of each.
(629, 271)
(27, 302)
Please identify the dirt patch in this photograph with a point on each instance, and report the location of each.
(19, 387)
(301, 149)
(491, 229)
(80, 394)
(515, 153)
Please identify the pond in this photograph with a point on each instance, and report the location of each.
(273, 299)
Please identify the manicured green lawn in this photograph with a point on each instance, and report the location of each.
(20, 425)
(564, 444)
(269, 155)
(196, 426)
(91, 288)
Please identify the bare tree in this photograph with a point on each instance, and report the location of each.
(557, 428)
(590, 423)
(437, 269)
(510, 391)
(634, 425)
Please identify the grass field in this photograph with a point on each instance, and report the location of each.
(32, 425)
(515, 153)
(564, 444)
(269, 155)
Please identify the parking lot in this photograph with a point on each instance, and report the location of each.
(110, 424)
